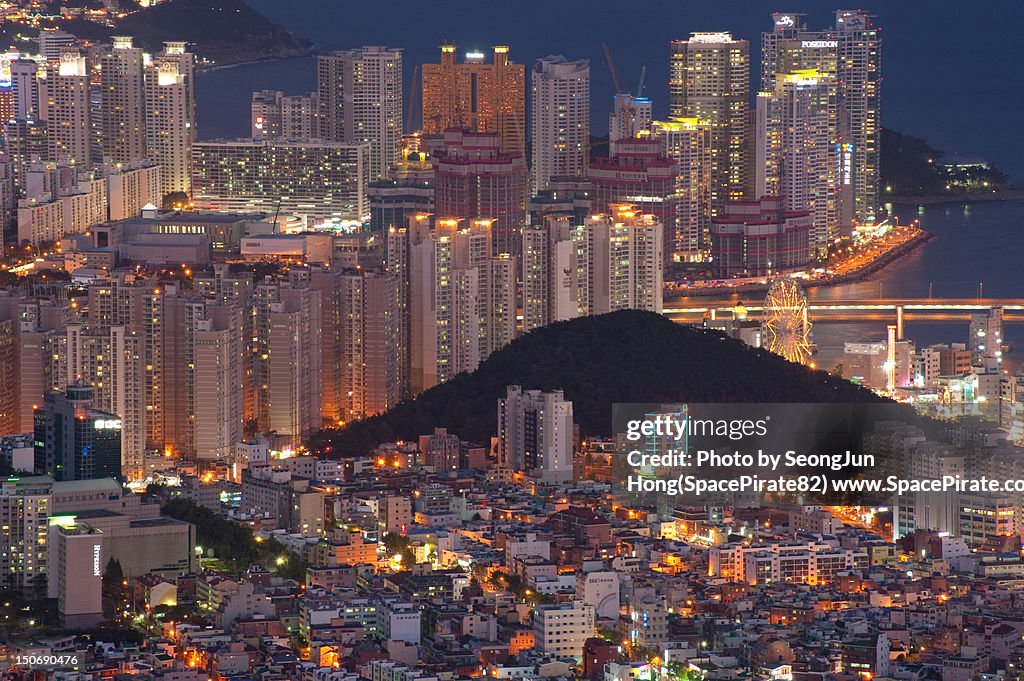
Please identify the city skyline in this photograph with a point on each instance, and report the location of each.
(418, 376)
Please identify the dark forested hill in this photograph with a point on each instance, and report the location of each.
(625, 356)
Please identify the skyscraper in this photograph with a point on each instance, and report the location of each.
(461, 300)
(559, 119)
(710, 81)
(850, 55)
(170, 115)
(687, 142)
(369, 343)
(122, 125)
(793, 150)
(619, 262)
(67, 108)
(474, 179)
(25, 89)
(549, 273)
(476, 96)
(75, 441)
(360, 99)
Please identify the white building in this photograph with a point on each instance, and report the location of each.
(171, 116)
(629, 117)
(561, 630)
(133, 186)
(559, 119)
(76, 562)
(549, 274)
(535, 435)
(620, 265)
(360, 100)
(794, 156)
(601, 590)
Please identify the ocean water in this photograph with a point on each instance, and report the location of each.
(951, 71)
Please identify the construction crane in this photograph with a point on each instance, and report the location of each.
(640, 87)
(611, 68)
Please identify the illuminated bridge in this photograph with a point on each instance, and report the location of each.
(888, 310)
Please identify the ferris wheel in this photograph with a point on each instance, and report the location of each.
(785, 327)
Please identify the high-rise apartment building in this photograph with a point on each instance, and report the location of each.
(275, 114)
(369, 343)
(710, 81)
(535, 434)
(687, 141)
(170, 115)
(460, 300)
(476, 96)
(67, 109)
(850, 55)
(794, 157)
(25, 506)
(287, 360)
(316, 180)
(549, 273)
(122, 123)
(559, 119)
(619, 262)
(637, 172)
(360, 98)
(473, 178)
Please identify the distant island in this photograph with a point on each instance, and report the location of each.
(219, 32)
(912, 170)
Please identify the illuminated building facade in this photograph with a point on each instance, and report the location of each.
(630, 116)
(710, 81)
(620, 262)
(850, 54)
(473, 178)
(359, 93)
(122, 125)
(67, 108)
(760, 238)
(687, 141)
(476, 96)
(275, 114)
(74, 441)
(637, 173)
(559, 119)
(171, 115)
(549, 273)
(316, 180)
(794, 157)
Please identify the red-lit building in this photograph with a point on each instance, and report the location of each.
(474, 179)
(638, 173)
(598, 652)
(757, 238)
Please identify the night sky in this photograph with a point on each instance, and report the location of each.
(952, 69)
